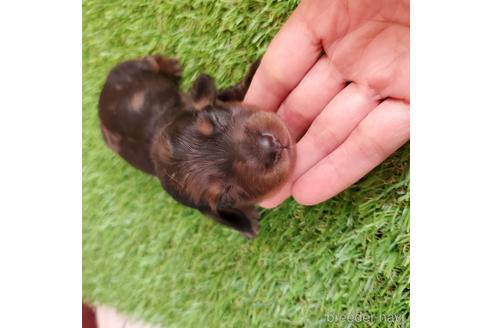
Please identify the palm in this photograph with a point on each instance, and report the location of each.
(374, 51)
(343, 130)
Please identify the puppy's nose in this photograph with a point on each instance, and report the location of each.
(268, 142)
(269, 146)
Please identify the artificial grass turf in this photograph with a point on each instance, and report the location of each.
(157, 260)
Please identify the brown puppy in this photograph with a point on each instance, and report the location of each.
(209, 151)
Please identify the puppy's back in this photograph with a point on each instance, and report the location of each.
(137, 95)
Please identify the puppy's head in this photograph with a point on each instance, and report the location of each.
(223, 157)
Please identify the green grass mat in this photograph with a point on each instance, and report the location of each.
(154, 259)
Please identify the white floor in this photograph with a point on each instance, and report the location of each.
(107, 317)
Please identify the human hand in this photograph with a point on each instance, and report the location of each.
(343, 129)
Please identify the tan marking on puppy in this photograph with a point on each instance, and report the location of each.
(112, 108)
(169, 66)
(201, 103)
(153, 63)
(194, 181)
(161, 149)
(212, 195)
(205, 127)
(112, 139)
(255, 185)
(137, 101)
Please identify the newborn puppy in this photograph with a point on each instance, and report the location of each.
(209, 151)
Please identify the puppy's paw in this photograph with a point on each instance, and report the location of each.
(166, 65)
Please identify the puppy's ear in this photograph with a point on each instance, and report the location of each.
(238, 91)
(251, 73)
(244, 220)
(203, 92)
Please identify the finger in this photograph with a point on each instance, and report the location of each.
(278, 197)
(337, 120)
(291, 54)
(380, 134)
(311, 95)
(378, 55)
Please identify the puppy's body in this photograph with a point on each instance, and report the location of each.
(209, 151)
(139, 97)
